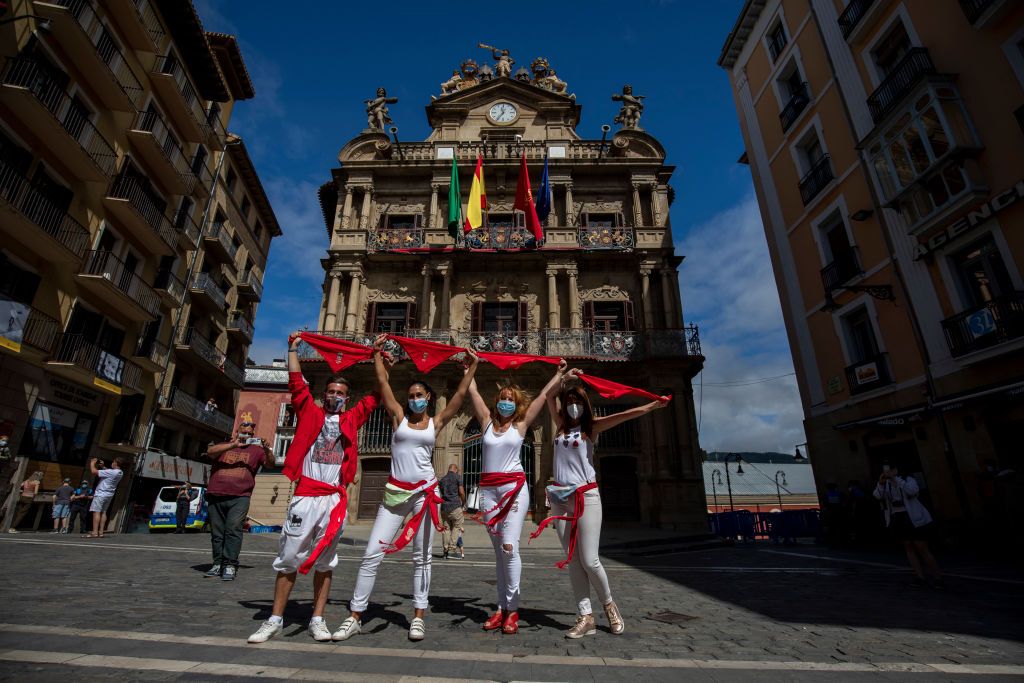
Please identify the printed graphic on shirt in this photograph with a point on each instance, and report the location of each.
(327, 450)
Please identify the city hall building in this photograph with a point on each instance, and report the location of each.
(600, 289)
(886, 141)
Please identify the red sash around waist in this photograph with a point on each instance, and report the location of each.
(578, 507)
(430, 502)
(314, 487)
(505, 503)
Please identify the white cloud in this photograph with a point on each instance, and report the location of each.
(729, 290)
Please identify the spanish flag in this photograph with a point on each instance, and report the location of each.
(477, 198)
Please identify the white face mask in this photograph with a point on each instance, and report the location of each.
(574, 410)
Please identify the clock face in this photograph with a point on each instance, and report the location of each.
(503, 112)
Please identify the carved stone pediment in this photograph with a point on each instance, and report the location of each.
(401, 208)
(636, 143)
(597, 207)
(604, 293)
(365, 147)
(402, 294)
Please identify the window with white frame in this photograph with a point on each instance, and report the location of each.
(835, 241)
(776, 39)
(809, 151)
(981, 273)
(890, 50)
(861, 344)
(281, 444)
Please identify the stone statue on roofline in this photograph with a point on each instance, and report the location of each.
(632, 108)
(452, 84)
(377, 111)
(502, 62)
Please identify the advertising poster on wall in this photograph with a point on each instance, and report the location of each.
(13, 316)
(57, 434)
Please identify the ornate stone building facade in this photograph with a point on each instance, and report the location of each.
(600, 289)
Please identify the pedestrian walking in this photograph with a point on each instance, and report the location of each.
(79, 508)
(62, 506)
(182, 504)
(453, 507)
(411, 490)
(228, 492)
(576, 502)
(109, 478)
(505, 495)
(323, 458)
(909, 522)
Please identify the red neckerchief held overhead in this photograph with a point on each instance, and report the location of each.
(314, 487)
(430, 502)
(338, 353)
(505, 503)
(426, 355)
(578, 507)
(608, 389)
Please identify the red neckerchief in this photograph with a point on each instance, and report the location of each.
(338, 353)
(505, 503)
(608, 389)
(426, 355)
(314, 487)
(578, 507)
(431, 501)
(511, 361)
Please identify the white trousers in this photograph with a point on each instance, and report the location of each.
(508, 563)
(585, 569)
(304, 527)
(389, 522)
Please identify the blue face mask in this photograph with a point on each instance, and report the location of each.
(506, 408)
(417, 405)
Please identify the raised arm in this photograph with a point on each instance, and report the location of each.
(603, 423)
(537, 404)
(293, 352)
(552, 390)
(479, 405)
(380, 368)
(455, 402)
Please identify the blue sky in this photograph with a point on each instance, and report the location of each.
(313, 69)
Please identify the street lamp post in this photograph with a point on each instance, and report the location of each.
(778, 489)
(716, 480)
(728, 480)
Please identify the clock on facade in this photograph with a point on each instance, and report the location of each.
(503, 112)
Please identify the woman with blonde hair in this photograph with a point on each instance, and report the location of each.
(505, 496)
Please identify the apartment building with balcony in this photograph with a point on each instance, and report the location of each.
(885, 141)
(114, 167)
(601, 289)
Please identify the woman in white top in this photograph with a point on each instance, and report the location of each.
(411, 489)
(576, 502)
(505, 495)
(909, 522)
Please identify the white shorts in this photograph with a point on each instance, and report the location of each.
(100, 503)
(304, 527)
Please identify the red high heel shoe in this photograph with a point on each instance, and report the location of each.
(511, 625)
(495, 622)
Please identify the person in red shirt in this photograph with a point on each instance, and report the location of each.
(232, 479)
(322, 458)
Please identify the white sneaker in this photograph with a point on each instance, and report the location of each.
(318, 629)
(417, 629)
(349, 628)
(267, 630)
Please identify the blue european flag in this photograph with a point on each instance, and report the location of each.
(543, 205)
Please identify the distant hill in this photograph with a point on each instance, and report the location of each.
(766, 458)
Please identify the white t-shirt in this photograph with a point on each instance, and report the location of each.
(109, 479)
(501, 451)
(412, 453)
(323, 461)
(573, 459)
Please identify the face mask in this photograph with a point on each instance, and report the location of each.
(333, 404)
(574, 410)
(417, 405)
(506, 408)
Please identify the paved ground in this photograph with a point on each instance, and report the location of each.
(137, 608)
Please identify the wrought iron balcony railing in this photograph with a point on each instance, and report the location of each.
(816, 179)
(973, 9)
(109, 367)
(185, 225)
(37, 330)
(147, 15)
(127, 186)
(216, 127)
(392, 239)
(22, 195)
(870, 373)
(169, 64)
(170, 283)
(211, 354)
(156, 352)
(498, 237)
(994, 322)
(798, 101)
(200, 411)
(206, 284)
(114, 271)
(219, 230)
(844, 267)
(606, 238)
(203, 173)
(27, 73)
(501, 342)
(237, 321)
(151, 122)
(249, 280)
(852, 15)
(891, 91)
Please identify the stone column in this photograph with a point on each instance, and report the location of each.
(552, 298)
(445, 322)
(432, 219)
(425, 297)
(574, 300)
(364, 217)
(638, 215)
(645, 297)
(346, 211)
(667, 300)
(331, 316)
(323, 314)
(570, 218)
(353, 302)
(655, 206)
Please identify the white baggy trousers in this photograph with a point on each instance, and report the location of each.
(390, 520)
(585, 569)
(506, 532)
